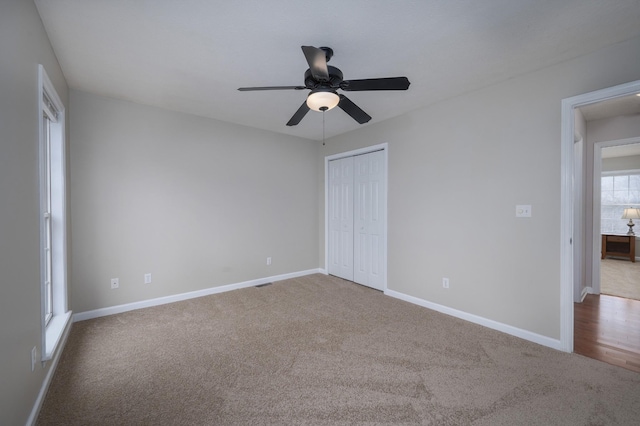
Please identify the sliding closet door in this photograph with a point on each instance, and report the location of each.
(341, 218)
(369, 210)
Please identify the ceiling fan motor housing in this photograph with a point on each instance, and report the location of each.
(328, 52)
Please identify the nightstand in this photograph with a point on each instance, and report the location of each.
(619, 245)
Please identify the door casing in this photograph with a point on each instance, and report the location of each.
(567, 199)
(384, 147)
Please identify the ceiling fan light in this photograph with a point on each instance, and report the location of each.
(322, 100)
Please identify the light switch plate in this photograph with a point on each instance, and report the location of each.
(523, 210)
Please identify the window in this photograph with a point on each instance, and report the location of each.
(53, 263)
(620, 190)
(46, 216)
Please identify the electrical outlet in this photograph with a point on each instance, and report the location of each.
(33, 358)
(115, 283)
(147, 278)
(268, 261)
(445, 282)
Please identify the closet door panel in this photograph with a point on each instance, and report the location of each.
(361, 210)
(341, 218)
(369, 219)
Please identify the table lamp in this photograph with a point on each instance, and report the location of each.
(631, 213)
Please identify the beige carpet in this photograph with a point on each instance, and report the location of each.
(321, 351)
(620, 277)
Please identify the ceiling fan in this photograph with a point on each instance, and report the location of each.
(324, 80)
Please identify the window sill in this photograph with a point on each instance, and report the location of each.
(55, 331)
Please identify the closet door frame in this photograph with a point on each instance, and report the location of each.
(384, 147)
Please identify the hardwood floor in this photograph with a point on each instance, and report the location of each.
(607, 328)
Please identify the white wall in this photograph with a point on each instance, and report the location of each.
(196, 202)
(456, 172)
(23, 45)
(631, 162)
(614, 128)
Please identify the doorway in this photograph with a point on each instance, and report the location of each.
(568, 168)
(607, 316)
(618, 154)
(356, 216)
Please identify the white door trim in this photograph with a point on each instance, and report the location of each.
(566, 199)
(380, 147)
(578, 234)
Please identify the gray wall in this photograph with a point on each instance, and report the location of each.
(197, 202)
(23, 45)
(456, 172)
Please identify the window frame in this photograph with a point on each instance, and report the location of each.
(55, 316)
(46, 216)
(627, 173)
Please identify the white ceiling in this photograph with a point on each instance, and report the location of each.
(192, 55)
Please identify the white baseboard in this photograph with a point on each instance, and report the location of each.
(514, 331)
(585, 291)
(111, 310)
(35, 411)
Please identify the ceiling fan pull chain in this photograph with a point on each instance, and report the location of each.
(323, 111)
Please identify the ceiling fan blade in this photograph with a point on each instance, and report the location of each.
(317, 60)
(389, 83)
(299, 115)
(353, 110)
(248, 89)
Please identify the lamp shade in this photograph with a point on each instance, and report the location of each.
(631, 213)
(322, 100)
